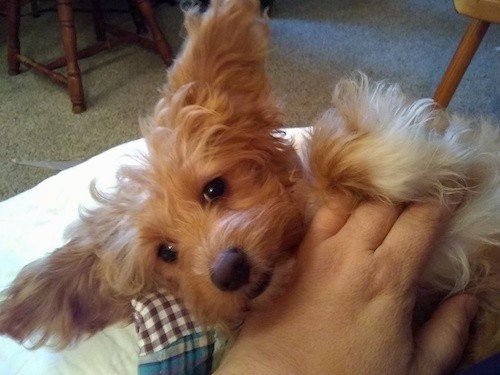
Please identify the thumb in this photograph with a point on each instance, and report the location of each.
(441, 341)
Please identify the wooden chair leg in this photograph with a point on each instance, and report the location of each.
(13, 45)
(99, 27)
(68, 36)
(140, 27)
(159, 39)
(460, 61)
(34, 8)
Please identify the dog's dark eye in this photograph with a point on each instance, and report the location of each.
(214, 189)
(167, 253)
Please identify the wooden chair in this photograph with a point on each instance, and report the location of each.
(108, 36)
(482, 14)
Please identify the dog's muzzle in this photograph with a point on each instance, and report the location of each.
(231, 270)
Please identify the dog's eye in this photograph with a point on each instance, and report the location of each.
(214, 189)
(167, 253)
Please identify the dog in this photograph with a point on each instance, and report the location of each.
(215, 210)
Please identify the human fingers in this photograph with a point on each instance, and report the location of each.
(411, 239)
(441, 341)
(329, 219)
(369, 225)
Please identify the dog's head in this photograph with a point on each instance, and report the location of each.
(212, 215)
(223, 214)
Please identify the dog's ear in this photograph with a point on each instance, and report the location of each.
(58, 299)
(225, 48)
(221, 67)
(80, 288)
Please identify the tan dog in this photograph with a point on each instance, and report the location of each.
(218, 206)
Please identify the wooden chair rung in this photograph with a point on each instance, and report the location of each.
(73, 79)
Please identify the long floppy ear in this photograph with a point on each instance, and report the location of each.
(82, 287)
(221, 67)
(58, 299)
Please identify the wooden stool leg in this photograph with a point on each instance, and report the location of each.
(460, 61)
(140, 27)
(68, 36)
(13, 45)
(161, 43)
(34, 8)
(99, 28)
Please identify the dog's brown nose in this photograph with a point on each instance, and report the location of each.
(231, 270)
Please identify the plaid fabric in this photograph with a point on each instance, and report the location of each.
(189, 355)
(170, 341)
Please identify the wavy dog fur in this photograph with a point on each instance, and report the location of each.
(216, 128)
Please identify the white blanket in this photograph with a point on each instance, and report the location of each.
(32, 224)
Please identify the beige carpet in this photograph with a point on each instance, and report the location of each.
(314, 43)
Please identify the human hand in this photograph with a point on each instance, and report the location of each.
(350, 309)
